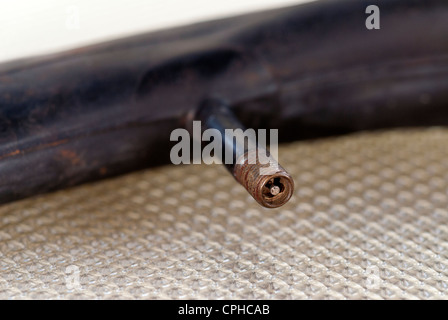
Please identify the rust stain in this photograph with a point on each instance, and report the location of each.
(51, 144)
(43, 146)
(70, 156)
(15, 152)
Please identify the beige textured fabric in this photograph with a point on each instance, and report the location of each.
(369, 219)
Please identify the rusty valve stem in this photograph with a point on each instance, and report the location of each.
(266, 181)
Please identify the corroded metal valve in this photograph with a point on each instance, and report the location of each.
(248, 161)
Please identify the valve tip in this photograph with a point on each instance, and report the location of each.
(275, 190)
(271, 188)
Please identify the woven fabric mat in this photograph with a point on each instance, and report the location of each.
(369, 219)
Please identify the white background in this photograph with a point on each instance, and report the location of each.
(33, 27)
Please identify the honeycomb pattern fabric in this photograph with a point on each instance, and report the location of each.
(368, 220)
